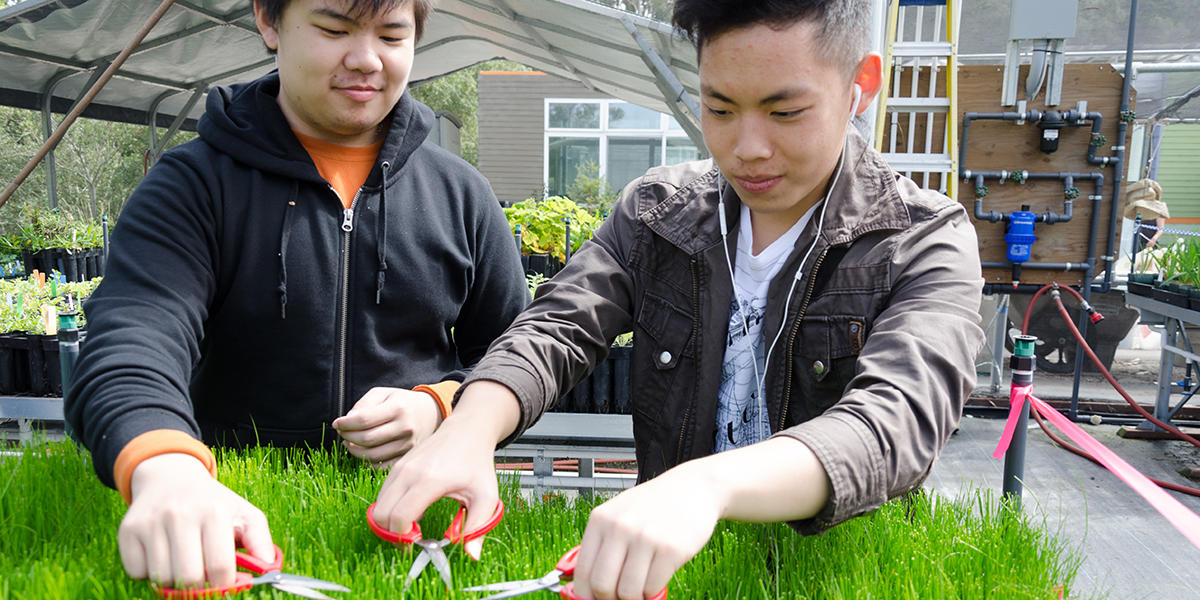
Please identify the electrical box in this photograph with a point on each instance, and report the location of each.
(1042, 19)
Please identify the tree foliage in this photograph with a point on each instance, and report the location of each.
(97, 166)
(659, 10)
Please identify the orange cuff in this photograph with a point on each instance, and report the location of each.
(154, 443)
(443, 394)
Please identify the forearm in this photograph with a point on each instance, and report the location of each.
(487, 408)
(776, 480)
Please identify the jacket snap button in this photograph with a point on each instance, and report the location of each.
(665, 357)
(854, 328)
(819, 367)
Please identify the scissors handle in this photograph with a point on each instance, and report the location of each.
(566, 565)
(411, 537)
(241, 582)
(455, 534)
(567, 592)
(257, 566)
(566, 569)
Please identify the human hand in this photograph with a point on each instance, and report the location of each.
(386, 423)
(182, 526)
(636, 542)
(455, 462)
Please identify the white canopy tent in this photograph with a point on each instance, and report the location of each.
(51, 51)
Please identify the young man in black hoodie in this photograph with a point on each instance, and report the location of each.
(310, 268)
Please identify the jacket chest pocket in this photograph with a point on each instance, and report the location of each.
(662, 354)
(825, 360)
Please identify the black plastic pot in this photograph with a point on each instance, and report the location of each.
(27, 259)
(14, 366)
(42, 364)
(606, 391)
(46, 260)
(544, 264)
(1170, 296)
(39, 384)
(51, 368)
(70, 262)
(91, 258)
(1140, 289)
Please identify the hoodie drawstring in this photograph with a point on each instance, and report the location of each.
(381, 230)
(283, 244)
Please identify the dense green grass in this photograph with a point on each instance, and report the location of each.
(58, 540)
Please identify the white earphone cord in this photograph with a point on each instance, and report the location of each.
(759, 379)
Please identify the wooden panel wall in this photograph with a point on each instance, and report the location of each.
(1002, 145)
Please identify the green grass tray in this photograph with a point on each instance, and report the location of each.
(58, 539)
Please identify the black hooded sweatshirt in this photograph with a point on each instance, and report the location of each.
(243, 304)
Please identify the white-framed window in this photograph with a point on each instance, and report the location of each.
(622, 139)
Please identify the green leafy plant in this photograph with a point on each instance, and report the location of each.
(543, 226)
(590, 190)
(39, 229)
(21, 302)
(914, 548)
(1187, 261)
(534, 280)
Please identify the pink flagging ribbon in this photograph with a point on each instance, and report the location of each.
(1183, 519)
(1016, 402)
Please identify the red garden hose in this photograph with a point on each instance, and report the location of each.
(1062, 310)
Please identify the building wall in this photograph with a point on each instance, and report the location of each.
(1179, 169)
(512, 128)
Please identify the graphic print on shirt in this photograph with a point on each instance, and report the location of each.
(742, 418)
(739, 422)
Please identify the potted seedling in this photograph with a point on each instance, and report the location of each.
(47, 241)
(28, 348)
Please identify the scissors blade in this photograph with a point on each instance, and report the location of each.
(312, 583)
(417, 566)
(502, 586)
(300, 590)
(442, 565)
(521, 591)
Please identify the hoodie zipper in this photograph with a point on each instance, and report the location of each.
(787, 392)
(347, 228)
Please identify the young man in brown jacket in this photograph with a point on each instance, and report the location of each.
(831, 359)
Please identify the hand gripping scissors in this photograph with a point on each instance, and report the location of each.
(268, 574)
(431, 550)
(557, 580)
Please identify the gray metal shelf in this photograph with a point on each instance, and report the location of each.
(1173, 319)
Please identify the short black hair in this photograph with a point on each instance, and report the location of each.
(273, 10)
(843, 25)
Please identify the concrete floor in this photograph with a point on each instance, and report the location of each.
(1128, 550)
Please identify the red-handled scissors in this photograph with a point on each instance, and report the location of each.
(431, 550)
(558, 580)
(268, 573)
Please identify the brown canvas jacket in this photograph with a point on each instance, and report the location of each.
(877, 353)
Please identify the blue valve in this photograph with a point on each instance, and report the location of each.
(1020, 236)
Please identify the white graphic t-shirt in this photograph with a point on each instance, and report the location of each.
(741, 418)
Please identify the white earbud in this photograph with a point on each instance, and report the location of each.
(857, 98)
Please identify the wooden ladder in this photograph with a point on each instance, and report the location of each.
(921, 43)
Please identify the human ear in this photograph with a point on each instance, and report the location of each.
(868, 79)
(268, 30)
